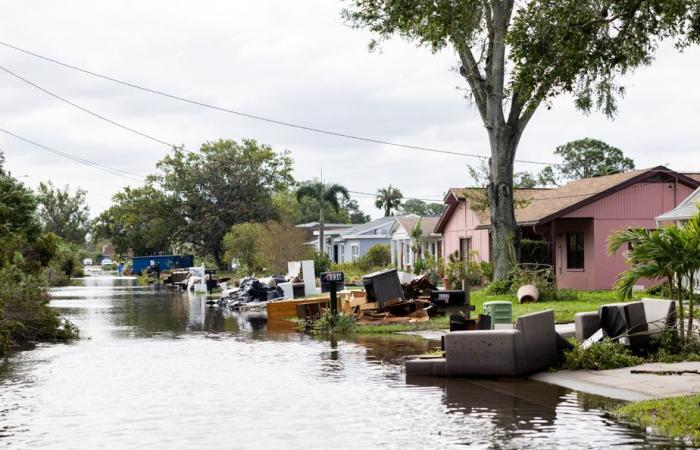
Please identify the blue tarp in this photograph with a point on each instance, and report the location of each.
(166, 262)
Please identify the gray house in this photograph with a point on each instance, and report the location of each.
(354, 242)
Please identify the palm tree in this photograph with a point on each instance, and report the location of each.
(669, 253)
(325, 194)
(388, 199)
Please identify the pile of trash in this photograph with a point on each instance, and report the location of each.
(253, 292)
(387, 300)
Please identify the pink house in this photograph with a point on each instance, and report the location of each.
(575, 220)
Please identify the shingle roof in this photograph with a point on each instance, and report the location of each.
(541, 205)
(359, 229)
(427, 223)
(687, 209)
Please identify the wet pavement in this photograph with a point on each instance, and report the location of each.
(162, 370)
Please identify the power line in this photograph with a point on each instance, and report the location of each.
(261, 118)
(82, 108)
(407, 198)
(94, 165)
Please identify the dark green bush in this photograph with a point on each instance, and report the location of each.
(600, 356)
(322, 263)
(500, 287)
(25, 316)
(329, 324)
(377, 256)
(534, 252)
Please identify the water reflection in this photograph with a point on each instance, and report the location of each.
(160, 369)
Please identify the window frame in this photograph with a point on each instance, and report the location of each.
(575, 257)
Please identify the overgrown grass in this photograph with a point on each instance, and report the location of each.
(337, 325)
(600, 356)
(676, 417)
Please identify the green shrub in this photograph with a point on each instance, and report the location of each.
(434, 268)
(534, 252)
(329, 324)
(322, 263)
(378, 255)
(600, 356)
(469, 270)
(25, 316)
(487, 270)
(500, 287)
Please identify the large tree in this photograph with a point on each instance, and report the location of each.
(327, 195)
(143, 220)
(223, 184)
(421, 208)
(17, 207)
(517, 56)
(389, 199)
(586, 158)
(64, 213)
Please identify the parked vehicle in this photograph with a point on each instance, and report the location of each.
(87, 262)
(106, 262)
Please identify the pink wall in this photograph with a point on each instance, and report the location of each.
(575, 278)
(461, 225)
(634, 207)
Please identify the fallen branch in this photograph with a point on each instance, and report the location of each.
(666, 372)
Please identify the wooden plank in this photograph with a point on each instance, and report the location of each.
(286, 309)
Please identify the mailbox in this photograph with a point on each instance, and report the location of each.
(329, 278)
(448, 298)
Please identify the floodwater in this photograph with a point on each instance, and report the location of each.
(162, 370)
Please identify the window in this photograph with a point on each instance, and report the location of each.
(574, 251)
(354, 252)
(342, 253)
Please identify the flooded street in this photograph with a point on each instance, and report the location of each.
(161, 370)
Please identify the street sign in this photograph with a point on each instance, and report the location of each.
(332, 277)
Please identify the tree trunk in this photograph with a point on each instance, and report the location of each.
(681, 308)
(505, 234)
(691, 304)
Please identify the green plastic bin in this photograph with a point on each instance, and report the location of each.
(501, 313)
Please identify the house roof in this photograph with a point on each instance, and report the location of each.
(427, 223)
(362, 230)
(316, 225)
(693, 175)
(454, 195)
(685, 210)
(543, 205)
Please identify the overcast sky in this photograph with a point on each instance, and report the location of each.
(291, 61)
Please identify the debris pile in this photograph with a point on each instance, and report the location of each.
(387, 300)
(253, 291)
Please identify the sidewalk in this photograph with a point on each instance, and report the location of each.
(621, 384)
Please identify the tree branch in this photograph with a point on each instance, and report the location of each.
(470, 71)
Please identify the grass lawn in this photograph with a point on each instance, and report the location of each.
(676, 417)
(564, 310)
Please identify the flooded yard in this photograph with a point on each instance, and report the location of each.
(162, 370)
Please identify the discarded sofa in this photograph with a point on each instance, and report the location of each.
(643, 318)
(529, 347)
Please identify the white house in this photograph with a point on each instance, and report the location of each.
(402, 244)
(680, 215)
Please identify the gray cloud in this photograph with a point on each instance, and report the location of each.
(294, 61)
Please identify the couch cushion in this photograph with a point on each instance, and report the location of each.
(660, 314)
(539, 341)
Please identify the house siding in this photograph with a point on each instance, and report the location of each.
(462, 224)
(634, 207)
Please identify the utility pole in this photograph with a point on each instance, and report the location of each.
(321, 237)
